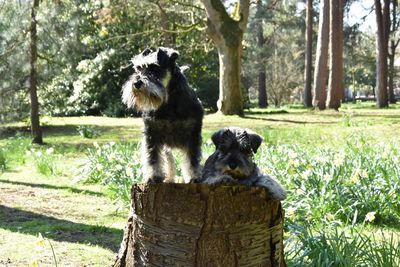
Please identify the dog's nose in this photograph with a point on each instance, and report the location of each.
(232, 165)
(138, 84)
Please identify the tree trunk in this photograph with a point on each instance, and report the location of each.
(262, 87)
(382, 52)
(201, 225)
(308, 56)
(35, 122)
(393, 45)
(321, 61)
(335, 84)
(227, 34)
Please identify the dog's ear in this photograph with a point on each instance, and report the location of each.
(218, 137)
(167, 56)
(146, 52)
(255, 141)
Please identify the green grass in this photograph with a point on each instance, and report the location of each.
(40, 195)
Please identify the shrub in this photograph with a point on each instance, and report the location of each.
(87, 131)
(116, 166)
(44, 161)
(3, 160)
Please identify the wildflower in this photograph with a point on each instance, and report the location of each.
(118, 167)
(38, 153)
(370, 217)
(49, 151)
(41, 242)
(292, 154)
(338, 160)
(95, 144)
(99, 167)
(327, 178)
(330, 216)
(129, 172)
(112, 143)
(364, 174)
(294, 163)
(34, 264)
(307, 173)
(290, 212)
(112, 157)
(322, 159)
(355, 178)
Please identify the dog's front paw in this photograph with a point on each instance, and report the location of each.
(222, 180)
(155, 180)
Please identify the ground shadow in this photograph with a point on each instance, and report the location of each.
(48, 186)
(289, 121)
(17, 220)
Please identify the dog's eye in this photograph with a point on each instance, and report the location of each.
(153, 68)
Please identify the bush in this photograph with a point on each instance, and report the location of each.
(44, 161)
(3, 160)
(338, 185)
(116, 166)
(87, 131)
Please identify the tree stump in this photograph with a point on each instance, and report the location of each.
(202, 225)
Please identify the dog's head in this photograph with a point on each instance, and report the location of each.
(147, 87)
(235, 148)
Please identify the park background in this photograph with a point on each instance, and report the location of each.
(333, 145)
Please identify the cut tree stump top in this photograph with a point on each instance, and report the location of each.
(202, 225)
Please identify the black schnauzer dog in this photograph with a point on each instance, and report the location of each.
(232, 162)
(171, 112)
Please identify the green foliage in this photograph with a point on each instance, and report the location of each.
(331, 186)
(340, 246)
(44, 161)
(116, 166)
(86, 131)
(3, 160)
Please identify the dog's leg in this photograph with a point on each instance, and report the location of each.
(191, 170)
(169, 165)
(151, 161)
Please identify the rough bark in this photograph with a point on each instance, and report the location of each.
(392, 51)
(321, 61)
(382, 38)
(308, 56)
(262, 87)
(227, 35)
(335, 82)
(201, 225)
(36, 130)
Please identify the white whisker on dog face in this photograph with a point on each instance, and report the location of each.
(232, 162)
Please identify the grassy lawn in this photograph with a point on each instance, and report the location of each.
(83, 225)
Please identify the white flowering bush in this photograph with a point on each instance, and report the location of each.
(116, 166)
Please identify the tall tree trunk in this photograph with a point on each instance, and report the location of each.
(227, 35)
(392, 51)
(321, 61)
(262, 88)
(308, 56)
(335, 83)
(382, 37)
(169, 39)
(35, 122)
(200, 225)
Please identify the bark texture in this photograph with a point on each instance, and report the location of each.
(394, 27)
(262, 77)
(227, 35)
(335, 83)
(382, 38)
(321, 60)
(308, 56)
(201, 225)
(36, 130)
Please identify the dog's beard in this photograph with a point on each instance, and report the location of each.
(236, 173)
(149, 97)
